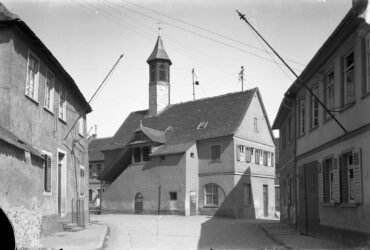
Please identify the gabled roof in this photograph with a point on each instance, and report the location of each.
(95, 147)
(223, 114)
(8, 18)
(159, 53)
(12, 139)
(153, 134)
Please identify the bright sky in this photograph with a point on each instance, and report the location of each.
(88, 36)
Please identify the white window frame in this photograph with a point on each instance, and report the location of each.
(62, 107)
(82, 181)
(269, 159)
(241, 152)
(49, 94)
(346, 71)
(212, 194)
(32, 90)
(315, 107)
(51, 173)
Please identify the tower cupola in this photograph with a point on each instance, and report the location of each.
(159, 79)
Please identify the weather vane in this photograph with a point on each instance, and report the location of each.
(159, 27)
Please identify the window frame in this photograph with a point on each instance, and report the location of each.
(35, 86)
(49, 154)
(82, 178)
(240, 150)
(212, 194)
(314, 114)
(162, 72)
(329, 85)
(255, 124)
(210, 152)
(62, 106)
(302, 115)
(347, 70)
(50, 94)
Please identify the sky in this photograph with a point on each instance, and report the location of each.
(88, 36)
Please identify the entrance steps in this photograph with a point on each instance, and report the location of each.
(72, 227)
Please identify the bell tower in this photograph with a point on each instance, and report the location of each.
(159, 79)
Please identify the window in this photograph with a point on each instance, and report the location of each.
(240, 153)
(315, 107)
(329, 180)
(49, 91)
(349, 81)
(367, 84)
(211, 194)
(258, 156)
(146, 152)
(91, 170)
(98, 169)
(173, 196)
(81, 126)
(248, 154)
(215, 152)
(137, 155)
(247, 194)
(253, 153)
(265, 158)
(47, 172)
(162, 73)
(82, 181)
(269, 159)
(62, 104)
(302, 116)
(152, 73)
(90, 195)
(329, 90)
(32, 81)
(255, 124)
(202, 125)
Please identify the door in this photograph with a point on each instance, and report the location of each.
(308, 198)
(265, 201)
(61, 182)
(193, 203)
(139, 203)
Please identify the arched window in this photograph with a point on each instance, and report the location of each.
(152, 73)
(211, 194)
(162, 72)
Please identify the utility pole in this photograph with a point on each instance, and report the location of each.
(242, 16)
(194, 82)
(241, 75)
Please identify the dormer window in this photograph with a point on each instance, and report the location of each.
(162, 72)
(202, 125)
(141, 154)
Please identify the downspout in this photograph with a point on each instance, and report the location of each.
(295, 161)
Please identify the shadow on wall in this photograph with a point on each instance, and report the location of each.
(239, 203)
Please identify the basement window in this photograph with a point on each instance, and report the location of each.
(202, 125)
(173, 196)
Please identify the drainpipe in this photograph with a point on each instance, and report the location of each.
(295, 161)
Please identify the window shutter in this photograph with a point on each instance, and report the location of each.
(357, 175)
(238, 152)
(261, 157)
(253, 152)
(321, 182)
(344, 179)
(336, 182)
(48, 173)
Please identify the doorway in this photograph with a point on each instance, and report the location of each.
(193, 203)
(139, 200)
(61, 182)
(265, 201)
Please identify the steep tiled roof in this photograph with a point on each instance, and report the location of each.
(223, 114)
(6, 17)
(159, 52)
(154, 134)
(95, 146)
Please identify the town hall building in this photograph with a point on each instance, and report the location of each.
(212, 156)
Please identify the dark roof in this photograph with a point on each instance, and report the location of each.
(12, 139)
(223, 114)
(8, 18)
(95, 147)
(159, 53)
(154, 134)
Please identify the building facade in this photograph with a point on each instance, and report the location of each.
(210, 156)
(330, 159)
(40, 103)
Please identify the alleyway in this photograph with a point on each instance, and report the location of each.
(180, 232)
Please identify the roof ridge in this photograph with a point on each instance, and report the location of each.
(7, 13)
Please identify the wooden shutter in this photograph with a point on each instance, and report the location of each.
(248, 154)
(47, 177)
(321, 182)
(237, 153)
(344, 179)
(357, 172)
(336, 182)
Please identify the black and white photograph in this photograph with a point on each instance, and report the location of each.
(184, 124)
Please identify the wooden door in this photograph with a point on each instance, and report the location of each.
(193, 203)
(265, 200)
(139, 200)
